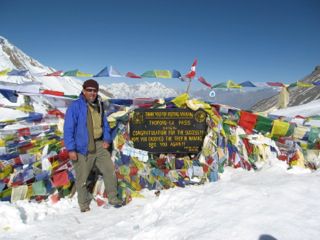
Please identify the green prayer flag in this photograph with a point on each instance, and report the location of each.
(313, 134)
(263, 124)
(39, 188)
(70, 73)
(148, 74)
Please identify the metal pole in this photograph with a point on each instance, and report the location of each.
(188, 86)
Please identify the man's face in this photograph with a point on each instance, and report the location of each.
(90, 94)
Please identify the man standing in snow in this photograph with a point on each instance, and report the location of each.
(87, 138)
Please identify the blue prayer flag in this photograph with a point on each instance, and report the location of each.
(11, 95)
(103, 73)
(176, 74)
(15, 72)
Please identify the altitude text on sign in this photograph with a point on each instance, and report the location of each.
(168, 130)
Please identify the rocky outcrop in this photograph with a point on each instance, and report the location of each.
(297, 95)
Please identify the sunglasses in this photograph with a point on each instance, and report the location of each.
(91, 90)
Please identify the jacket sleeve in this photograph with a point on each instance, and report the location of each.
(69, 128)
(106, 130)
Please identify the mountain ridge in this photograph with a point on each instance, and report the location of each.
(297, 95)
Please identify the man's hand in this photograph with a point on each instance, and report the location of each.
(105, 145)
(73, 156)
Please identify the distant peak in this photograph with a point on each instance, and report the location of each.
(3, 40)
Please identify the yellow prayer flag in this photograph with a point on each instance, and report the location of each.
(230, 122)
(5, 72)
(83, 74)
(137, 163)
(306, 85)
(5, 171)
(279, 128)
(136, 195)
(232, 84)
(180, 100)
(25, 108)
(163, 73)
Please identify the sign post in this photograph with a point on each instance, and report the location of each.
(168, 130)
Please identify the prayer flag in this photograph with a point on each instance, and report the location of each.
(103, 73)
(82, 74)
(132, 75)
(192, 72)
(204, 82)
(19, 193)
(148, 74)
(60, 179)
(247, 120)
(263, 124)
(176, 74)
(55, 74)
(5, 72)
(300, 132)
(11, 95)
(15, 72)
(39, 188)
(306, 85)
(162, 73)
(279, 128)
(232, 84)
(114, 73)
(275, 84)
(292, 85)
(70, 73)
(51, 92)
(314, 135)
(220, 85)
(247, 84)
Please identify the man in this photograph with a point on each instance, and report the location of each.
(87, 138)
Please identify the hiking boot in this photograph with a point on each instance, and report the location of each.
(86, 209)
(115, 201)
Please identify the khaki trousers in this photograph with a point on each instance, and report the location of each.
(101, 159)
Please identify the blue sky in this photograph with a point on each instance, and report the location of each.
(274, 40)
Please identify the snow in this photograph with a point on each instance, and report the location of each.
(241, 205)
(305, 110)
(272, 202)
(141, 90)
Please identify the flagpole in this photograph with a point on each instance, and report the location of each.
(188, 86)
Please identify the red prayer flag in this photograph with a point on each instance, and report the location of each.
(51, 92)
(56, 112)
(192, 73)
(132, 75)
(60, 179)
(275, 84)
(56, 74)
(204, 82)
(24, 132)
(247, 121)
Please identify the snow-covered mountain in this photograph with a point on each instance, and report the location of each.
(13, 58)
(142, 90)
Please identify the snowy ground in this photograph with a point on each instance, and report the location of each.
(273, 202)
